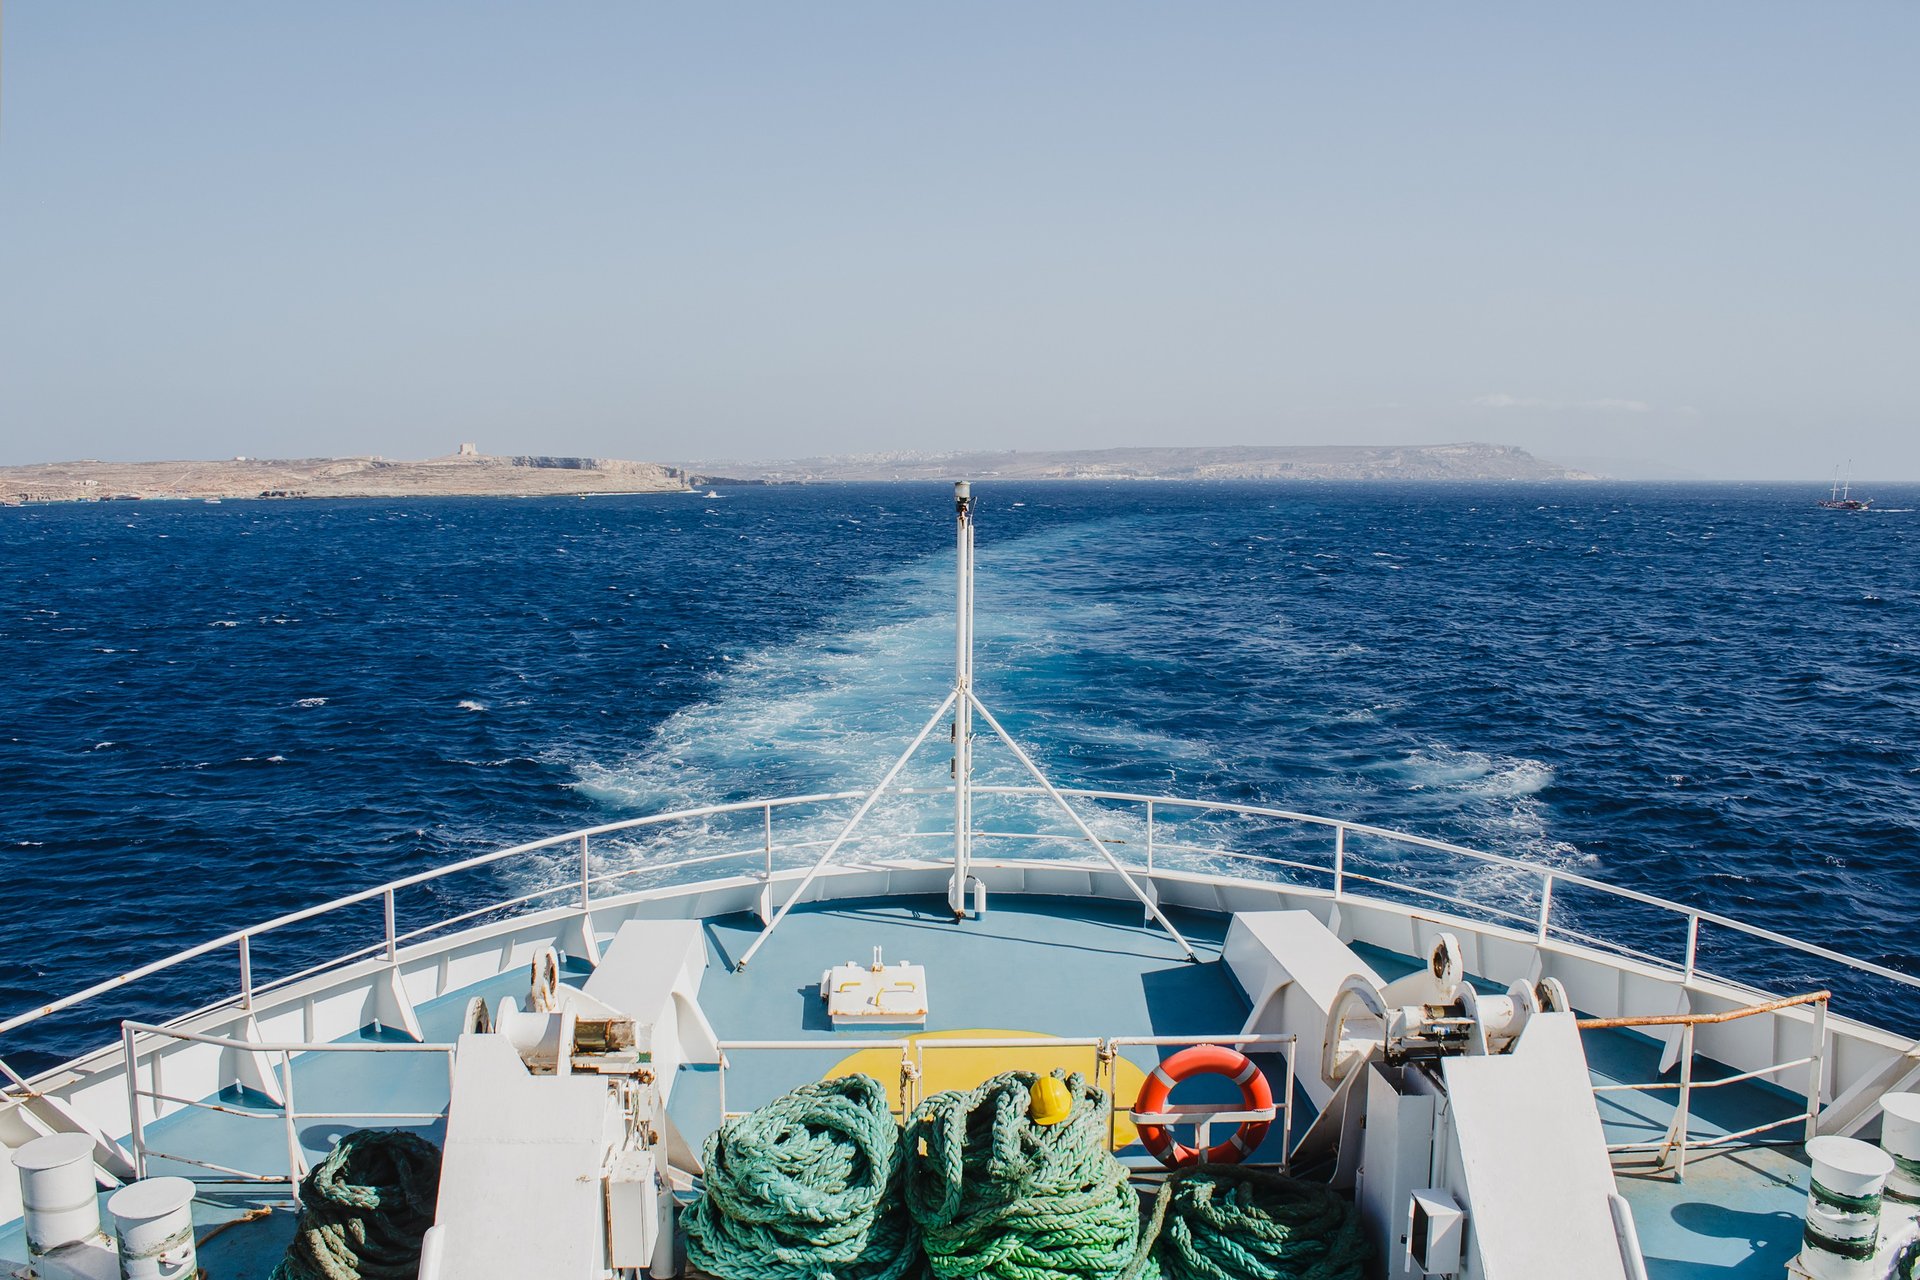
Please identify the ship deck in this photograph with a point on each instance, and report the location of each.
(1048, 966)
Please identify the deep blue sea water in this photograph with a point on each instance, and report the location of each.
(212, 714)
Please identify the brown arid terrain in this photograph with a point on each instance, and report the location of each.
(468, 474)
(458, 475)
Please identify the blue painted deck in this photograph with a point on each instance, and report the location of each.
(1071, 967)
(1738, 1213)
(1052, 966)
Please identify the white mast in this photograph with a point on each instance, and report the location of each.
(963, 698)
(963, 702)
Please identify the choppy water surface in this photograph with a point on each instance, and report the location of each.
(217, 713)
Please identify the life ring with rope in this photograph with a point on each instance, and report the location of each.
(1204, 1059)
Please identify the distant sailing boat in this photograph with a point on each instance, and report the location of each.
(1841, 498)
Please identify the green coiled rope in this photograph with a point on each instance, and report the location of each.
(805, 1188)
(1220, 1222)
(820, 1184)
(365, 1209)
(999, 1197)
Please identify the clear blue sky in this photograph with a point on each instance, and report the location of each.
(1684, 234)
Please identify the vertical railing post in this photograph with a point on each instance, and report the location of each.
(766, 869)
(1286, 1118)
(1339, 859)
(1693, 946)
(157, 1081)
(393, 940)
(1147, 910)
(766, 835)
(1113, 1096)
(246, 972)
(296, 1163)
(129, 1054)
(1683, 1113)
(1546, 909)
(909, 1082)
(586, 876)
(1816, 1075)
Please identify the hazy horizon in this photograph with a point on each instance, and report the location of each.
(1623, 471)
(1648, 241)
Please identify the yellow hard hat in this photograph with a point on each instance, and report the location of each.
(1051, 1103)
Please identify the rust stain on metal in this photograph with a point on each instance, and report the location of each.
(1702, 1019)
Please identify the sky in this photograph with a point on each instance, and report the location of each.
(1654, 239)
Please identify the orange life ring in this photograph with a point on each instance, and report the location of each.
(1204, 1059)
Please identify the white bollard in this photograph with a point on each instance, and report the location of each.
(1843, 1209)
(666, 1252)
(59, 1197)
(433, 1253)
(1900, 1139)
(155, 1220)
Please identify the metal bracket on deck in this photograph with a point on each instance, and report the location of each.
(1674, 1036)
(391, 1007)
(253, 1071)
(578, 941)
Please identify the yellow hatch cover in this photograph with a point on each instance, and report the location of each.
(965, 1068)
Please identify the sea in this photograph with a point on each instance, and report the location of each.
(213, 714)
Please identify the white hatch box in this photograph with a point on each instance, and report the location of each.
(875, 995)
(1436, 1233)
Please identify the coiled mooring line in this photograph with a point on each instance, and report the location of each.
(1001, 1197)
(805, 1188)
(1223, 1222)
(365, 1209)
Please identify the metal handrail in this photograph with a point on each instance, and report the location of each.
(387, 890)
(909, 1071)
(1106, 1054)
(1679, 1137)
(1547, 874)
(281, 1055)
(1341, 830)
(1704, 1019)
(1106, 1050)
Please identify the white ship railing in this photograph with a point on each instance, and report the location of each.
(913, 1050)
(138, 1036)
(577, 881)
(1679, 1136)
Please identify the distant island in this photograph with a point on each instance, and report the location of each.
(1231, 462)
(467, 473)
